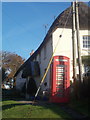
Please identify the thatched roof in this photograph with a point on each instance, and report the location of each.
(84, 19)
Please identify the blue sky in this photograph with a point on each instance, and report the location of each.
(23, 24)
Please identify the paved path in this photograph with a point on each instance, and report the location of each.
(73, 113)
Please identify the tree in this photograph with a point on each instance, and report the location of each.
(3, 74)
(11, 62)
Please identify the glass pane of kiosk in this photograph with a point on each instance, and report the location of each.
(60, 72)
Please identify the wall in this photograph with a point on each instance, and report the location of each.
(64, 46)
(44, 63)
(19, 81)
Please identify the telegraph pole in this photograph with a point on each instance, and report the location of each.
(73, 41)
(78, 43)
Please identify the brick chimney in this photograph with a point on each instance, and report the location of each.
(31, 52)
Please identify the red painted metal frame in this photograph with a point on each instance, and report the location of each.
(60, 60)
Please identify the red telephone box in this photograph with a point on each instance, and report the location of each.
(60, 83)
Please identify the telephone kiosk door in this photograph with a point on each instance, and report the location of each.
(60, 83)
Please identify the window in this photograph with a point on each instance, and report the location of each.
(86, 41)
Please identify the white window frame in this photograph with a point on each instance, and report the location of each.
(86, 41)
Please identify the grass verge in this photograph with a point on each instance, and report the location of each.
(13, 109)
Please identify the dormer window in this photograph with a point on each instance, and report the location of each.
(86, 41)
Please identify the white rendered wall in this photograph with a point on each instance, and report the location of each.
(44, 63)
(20, 81)
(64, 46)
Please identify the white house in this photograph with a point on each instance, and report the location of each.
(61, 34)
